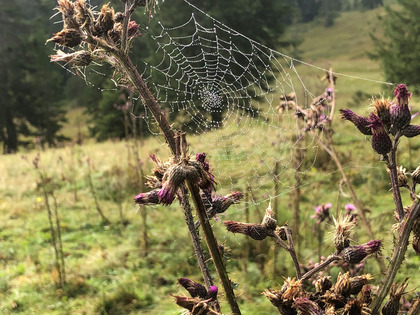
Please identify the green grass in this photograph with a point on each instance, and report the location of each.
(107, 267)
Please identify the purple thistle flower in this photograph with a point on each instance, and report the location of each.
(350, 207)
(212, 293)
(362, 123)
(166, 195)
(411, 131)
(400, 113)
(147, 198)
(201, 157)
(322, 212)
(381, 142)
(355, 254)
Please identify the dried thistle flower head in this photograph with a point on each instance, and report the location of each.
(355, 254)
(269, 221)
(80, 58)
(68, 12)
(276, 299)
(401, 176)
(415, 176)
(393, 305)
(67, 37)
(342, 231)
(305, 306)
(366, 295)
(342, 286)
(356, 307)
(358, 282)
(323, 284)
(381, 109)
(291, 289)
(84, 15)
(105, 20)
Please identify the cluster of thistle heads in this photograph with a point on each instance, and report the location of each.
(94, 30)
(314, 117)
(202, 301)
(168, 177)
(388, 118)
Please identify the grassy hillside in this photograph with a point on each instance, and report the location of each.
(114, 269)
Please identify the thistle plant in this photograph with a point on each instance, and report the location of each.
(389, 121)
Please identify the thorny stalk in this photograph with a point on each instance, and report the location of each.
(320, 266)
(213, 248)
(392, 166)
(397, 256)
(130, 71)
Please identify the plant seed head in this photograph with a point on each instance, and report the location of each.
(67, 37)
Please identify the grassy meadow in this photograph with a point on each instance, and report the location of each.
(113, 268)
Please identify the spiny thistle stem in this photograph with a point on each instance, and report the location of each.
(397, 257)
(195, 240)
(322, 265)
(291, 249)
(392, 166)
(213, 248)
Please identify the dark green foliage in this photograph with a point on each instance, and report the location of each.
(308, 9)
(398, 52)
(371, 4)
(30, 90)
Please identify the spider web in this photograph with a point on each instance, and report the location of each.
(225, 88)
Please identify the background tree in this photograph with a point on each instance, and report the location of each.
(371, 4)
(30, 90)
(398, 51)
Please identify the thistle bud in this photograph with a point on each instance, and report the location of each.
(366, 295)
(362, 123)
(322, 213)
(195, 289)
(400, 113)
(172, 179)
(355, 254)
(257, 232)
(381, 109)
(411, 131)
(222, 203)
(133, 30)
(147, 198)
(67, 37)
(381, 142)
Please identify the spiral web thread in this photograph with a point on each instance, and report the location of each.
(203, 69)
(206, 74)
